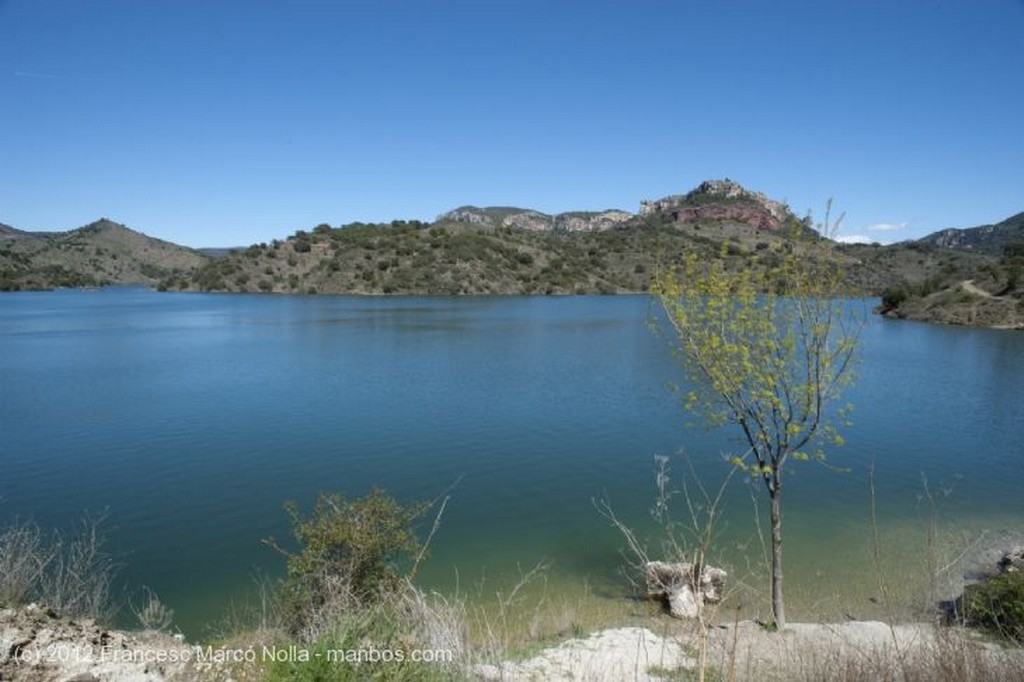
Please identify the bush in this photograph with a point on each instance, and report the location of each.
(997, 605)
(372, 644)
(892, 297)
(69, 572)
(350, 557)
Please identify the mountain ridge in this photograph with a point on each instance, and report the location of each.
(513, 250)
(990, 238)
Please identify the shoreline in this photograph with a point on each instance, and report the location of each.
(37, 645)
(946, 318)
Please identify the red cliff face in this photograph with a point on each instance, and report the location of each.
(720, 200)
(754, 216)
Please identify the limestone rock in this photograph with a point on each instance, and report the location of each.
(1012, 560)
(720, 200)
(535, 221)
(675, 584)
(682, 603)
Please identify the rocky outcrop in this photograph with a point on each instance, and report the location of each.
(535, 221)
(592, 222)
(683, 592)
(39, 645)
(749, 215)
(467, 214)
(954, 238)
(1012, 560)
(720, 200)
(992, 239)
(532, 221)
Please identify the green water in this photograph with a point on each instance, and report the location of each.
(191, 418)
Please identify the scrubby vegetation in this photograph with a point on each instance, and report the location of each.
(348, 595)
(98, 254)
(516, 251)
(351, 556)
(67, 571)
(996, 605)
(351, 566)
(960, 288)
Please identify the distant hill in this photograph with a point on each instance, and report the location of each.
(510, 250)
(992, 239)
(8, 233)
(968, 276)
(219, 251)
(977, 278)
(712, 200)
(103, 252)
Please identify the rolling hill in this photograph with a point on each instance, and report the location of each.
(509, 250)
(101, 253)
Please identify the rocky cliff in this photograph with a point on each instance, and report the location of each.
(535, 221)
(720, 200)
(991, 239)
(712, 200)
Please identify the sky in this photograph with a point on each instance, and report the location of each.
(228, 122)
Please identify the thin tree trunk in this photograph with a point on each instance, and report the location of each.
(778, 608)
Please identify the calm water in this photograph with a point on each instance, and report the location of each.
(191, 418)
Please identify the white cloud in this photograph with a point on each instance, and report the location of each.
(886, 227)
(861, 236)
(854, 239)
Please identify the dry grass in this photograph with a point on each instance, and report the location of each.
(67, 571)
(852, 652)
(24, 555)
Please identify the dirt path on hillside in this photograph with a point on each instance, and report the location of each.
(970, 287)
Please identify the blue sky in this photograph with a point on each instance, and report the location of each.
(216, 123)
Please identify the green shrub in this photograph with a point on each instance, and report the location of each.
(892, 297)
(997, 605)
(370, 644)
(351, 557)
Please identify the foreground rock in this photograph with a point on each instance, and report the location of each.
(37, 645)
(1012, 560)
(683, 592)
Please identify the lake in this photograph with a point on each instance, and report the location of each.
(190, 418)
